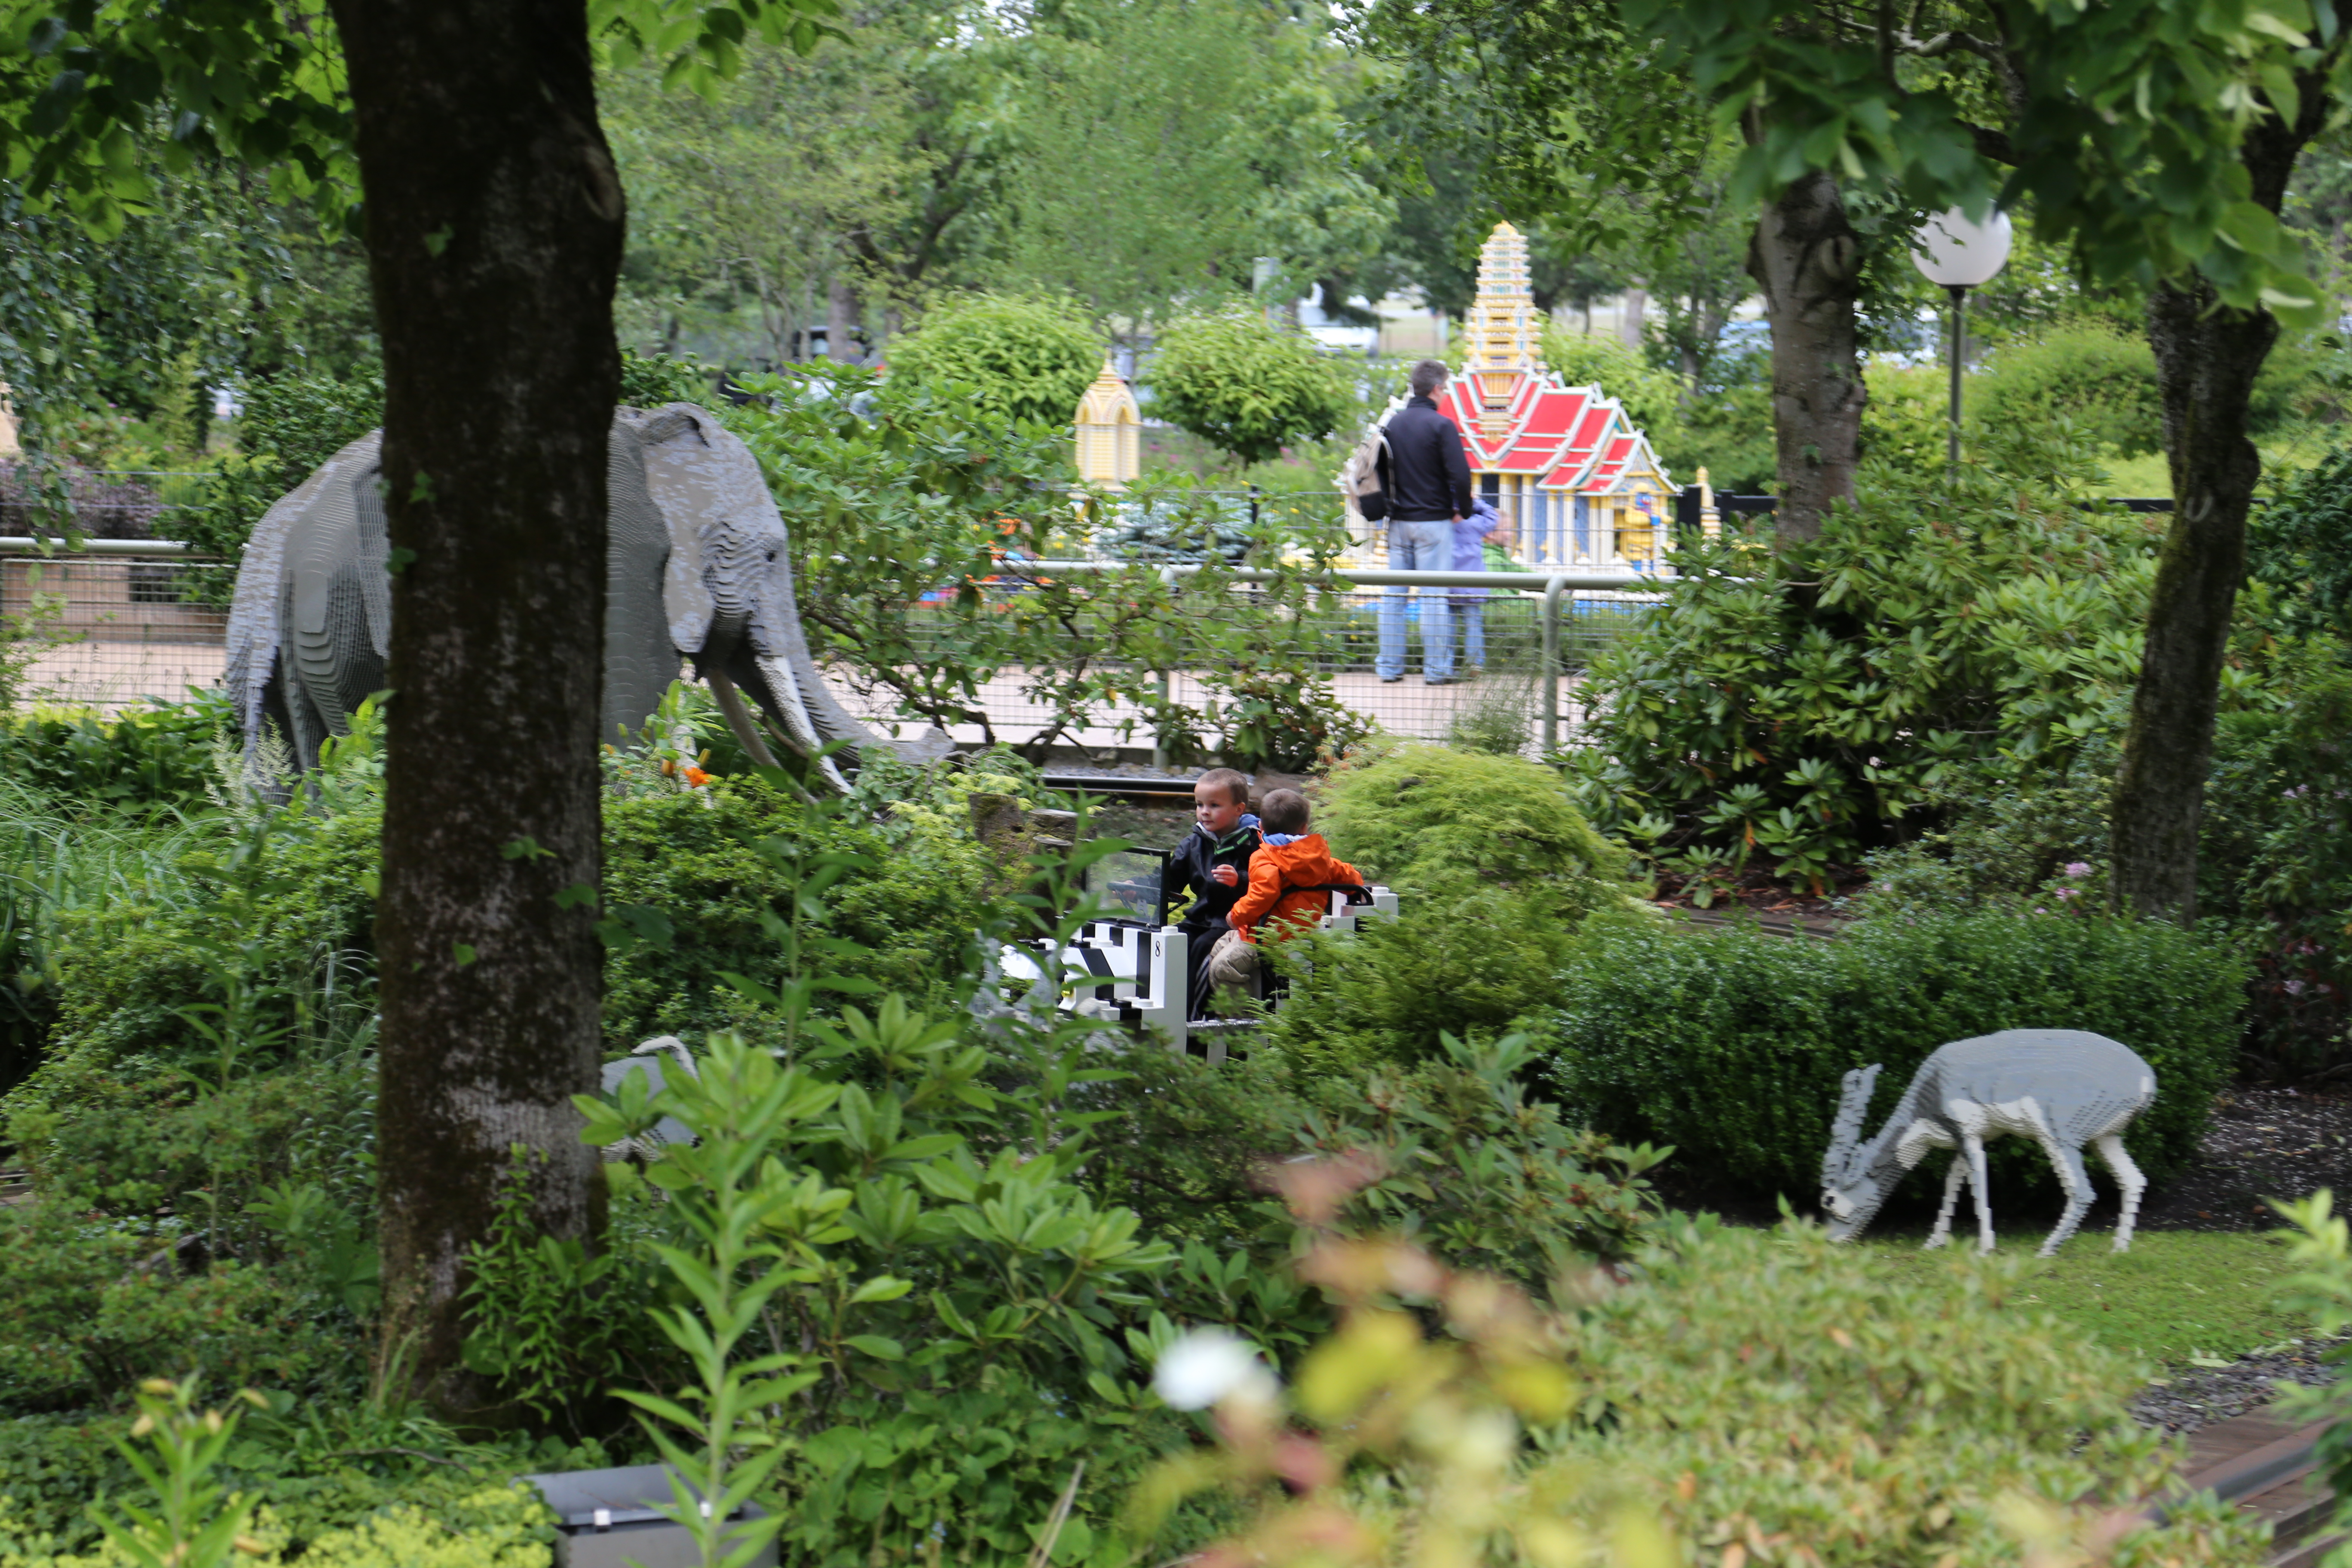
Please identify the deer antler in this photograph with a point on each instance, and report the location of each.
(1845, 1132)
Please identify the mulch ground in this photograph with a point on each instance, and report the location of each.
(2261, 1143)
(1759, 894)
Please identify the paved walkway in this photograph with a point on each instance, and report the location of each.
(112, 674)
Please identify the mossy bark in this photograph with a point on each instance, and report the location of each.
(494, 223)
(2207, 358)
(1807, 261)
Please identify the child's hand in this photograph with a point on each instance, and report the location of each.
(1225, 875)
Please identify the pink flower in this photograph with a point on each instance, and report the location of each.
(2066, 892)
(2078, 868)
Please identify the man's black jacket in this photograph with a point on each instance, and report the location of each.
(1427, 474)
(1188, 867)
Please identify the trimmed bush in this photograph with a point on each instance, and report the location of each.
(2086, 372)
(1478, 964)
(1730, 1047)
(1432, 821)
(1496, 869)
(1025, 359)
(1249, 386)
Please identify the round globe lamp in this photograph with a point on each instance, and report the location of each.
(1960, 253)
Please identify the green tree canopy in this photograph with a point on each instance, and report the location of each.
(1029, 358)
(1238, 380)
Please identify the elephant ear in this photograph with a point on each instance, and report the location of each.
(687, 598)
(640, 659)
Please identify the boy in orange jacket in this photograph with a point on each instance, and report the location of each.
(1290, 880)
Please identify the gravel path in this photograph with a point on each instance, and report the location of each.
(2186, 1401)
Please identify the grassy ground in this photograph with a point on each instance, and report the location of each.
(2175, 1299)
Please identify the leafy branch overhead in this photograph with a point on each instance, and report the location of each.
(2122, 125)
(90, 84)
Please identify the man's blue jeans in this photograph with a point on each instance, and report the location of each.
(1418, 547)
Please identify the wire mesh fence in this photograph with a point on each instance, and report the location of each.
(110, 631)
(112, 627)
(1490, 689)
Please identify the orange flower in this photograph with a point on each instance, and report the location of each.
(695, 777)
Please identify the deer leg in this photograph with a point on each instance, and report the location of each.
(2067, 1161)
(2111, 1148)
(1953, 1179)
(1972, 1150)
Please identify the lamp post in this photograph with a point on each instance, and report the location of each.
(1960, 255)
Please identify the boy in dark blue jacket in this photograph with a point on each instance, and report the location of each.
(1212, 863)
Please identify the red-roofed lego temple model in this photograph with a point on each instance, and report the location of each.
(1576, 482)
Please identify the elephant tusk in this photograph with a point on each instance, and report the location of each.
(792, 706)
(738, 719)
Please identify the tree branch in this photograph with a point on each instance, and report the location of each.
(1993, 144)
(1951, 42)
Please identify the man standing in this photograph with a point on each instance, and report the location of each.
(1428, 483)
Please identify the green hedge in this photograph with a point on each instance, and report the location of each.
(1729, 1046)
(146, 759)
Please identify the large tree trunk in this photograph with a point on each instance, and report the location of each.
(1806, 258)
(2206, 362)
(494, 227)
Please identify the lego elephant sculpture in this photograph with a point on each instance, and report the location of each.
(697, 566)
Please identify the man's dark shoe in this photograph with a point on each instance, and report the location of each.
(1390, 680)
(1438, 680)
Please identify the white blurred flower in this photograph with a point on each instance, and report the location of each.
(1209, 1366)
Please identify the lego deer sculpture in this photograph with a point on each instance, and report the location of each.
(2062, 1088)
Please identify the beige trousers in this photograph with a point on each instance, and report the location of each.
(1233, 962)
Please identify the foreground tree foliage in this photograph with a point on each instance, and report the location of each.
(493, 225)
(1756, 1391)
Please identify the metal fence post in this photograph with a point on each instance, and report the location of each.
(1168, 576)
(1551, 664)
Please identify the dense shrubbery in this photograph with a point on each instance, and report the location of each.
(2091, 373)
(1729, 1046)
(200, 1133)
(144, 759)
(1801, 704)
(1765, 1393)
(1459, 1154)
(719, 865)
(1495, 867)
(388, 1489)
(1882, 1416)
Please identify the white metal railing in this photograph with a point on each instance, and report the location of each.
(21, 544)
